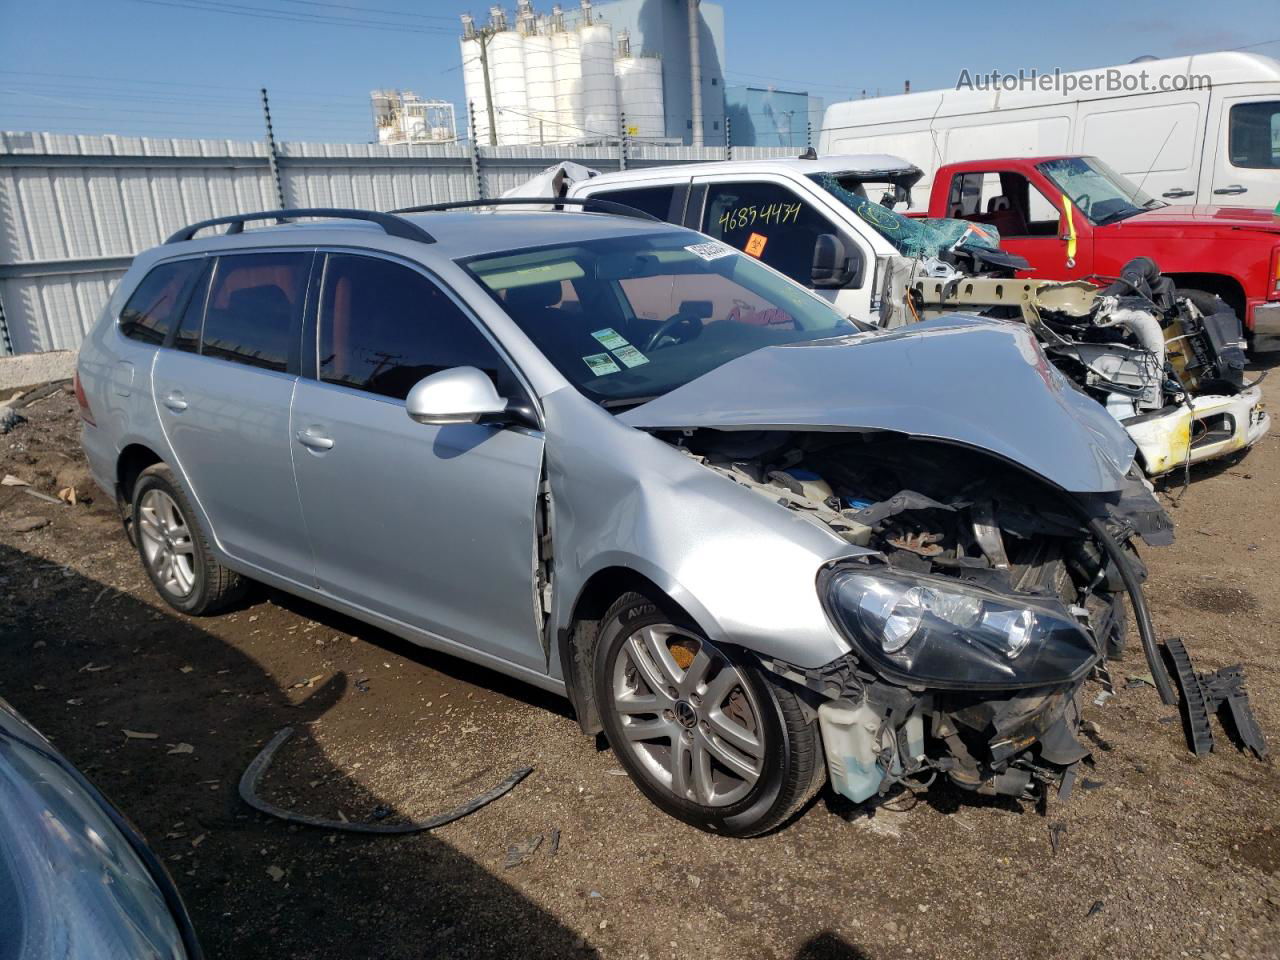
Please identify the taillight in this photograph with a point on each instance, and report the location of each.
(1273, 292)
(85, 413)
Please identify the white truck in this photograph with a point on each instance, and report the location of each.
(782, 211)
(1171, 370)
(1201, 129)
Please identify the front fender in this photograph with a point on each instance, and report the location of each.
(743, 568)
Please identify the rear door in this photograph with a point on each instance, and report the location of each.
(432, 526)
(1246, 171)
(666, 201)
(223, 391)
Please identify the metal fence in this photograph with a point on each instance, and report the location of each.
(75, 209)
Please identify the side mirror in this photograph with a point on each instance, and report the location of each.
(834, 267)
(457, 395)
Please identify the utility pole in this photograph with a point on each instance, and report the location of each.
(272, 158)
(484, 35)
(482, 38)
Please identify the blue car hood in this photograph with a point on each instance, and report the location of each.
(976, 382)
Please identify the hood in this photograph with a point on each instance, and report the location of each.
(1206, 215)
(979, 383)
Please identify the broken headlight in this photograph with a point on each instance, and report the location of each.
(945, 633)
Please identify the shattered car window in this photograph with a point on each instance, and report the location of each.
(910, 236)
(626, 319)
(1100, 193)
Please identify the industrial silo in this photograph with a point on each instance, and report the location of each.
(473, 81)
(566, 60)
(640, 92)
(507, 81)
(544, 118)
(599, 86)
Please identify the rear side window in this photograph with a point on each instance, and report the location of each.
(665, 203)
(1255, 135)
(255, 308)
(187, 336)
(151, 310)
(383, 327)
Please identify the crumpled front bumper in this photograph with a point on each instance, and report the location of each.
(990, 743)
(1212, 427)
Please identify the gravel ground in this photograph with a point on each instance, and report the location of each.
(1164, 854)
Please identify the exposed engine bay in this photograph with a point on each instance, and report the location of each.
(990, 601)
(1169, 368)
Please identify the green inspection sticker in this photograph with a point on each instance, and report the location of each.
(610, 339)
(630, 356)
(601, 364)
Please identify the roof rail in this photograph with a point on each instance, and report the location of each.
(393, 225)
(587, 203)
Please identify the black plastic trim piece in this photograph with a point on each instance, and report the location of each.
(1194, 710)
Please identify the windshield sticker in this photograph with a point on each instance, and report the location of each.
(630, 355)
(710, 250)
(610, 339)
(601, 364)
(755, 244)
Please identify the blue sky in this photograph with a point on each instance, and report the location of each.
(193, 67)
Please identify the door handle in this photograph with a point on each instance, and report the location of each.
(1176, 193)
(314, 441)
(1231, 190)
(175, 402)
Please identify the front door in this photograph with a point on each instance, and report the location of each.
(432, 526)
(1030, 224)
(1246, 172)
(770, 221)
(223, 393)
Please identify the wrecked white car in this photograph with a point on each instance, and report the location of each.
(753, 541)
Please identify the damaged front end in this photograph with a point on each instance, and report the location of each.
(988, 602)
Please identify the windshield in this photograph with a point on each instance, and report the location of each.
(1098, 192)
(629, 318)
(910, 236)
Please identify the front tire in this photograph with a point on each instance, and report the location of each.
(173, 549)
(704, 733)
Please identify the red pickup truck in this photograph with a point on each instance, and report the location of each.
(1072, 217)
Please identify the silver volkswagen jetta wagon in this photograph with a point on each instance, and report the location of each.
(753, 541)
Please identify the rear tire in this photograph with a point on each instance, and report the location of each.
(173, 549)
(725, 747)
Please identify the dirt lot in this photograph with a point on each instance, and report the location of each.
(1165, 855)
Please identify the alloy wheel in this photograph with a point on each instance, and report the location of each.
(688, 716)
(166, 543)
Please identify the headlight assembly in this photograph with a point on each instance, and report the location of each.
(944, 633)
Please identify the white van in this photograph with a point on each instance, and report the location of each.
(1183, 139)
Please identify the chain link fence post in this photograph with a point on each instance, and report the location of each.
(476, 177)
(272, 158)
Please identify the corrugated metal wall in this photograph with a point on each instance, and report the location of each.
(75, 209)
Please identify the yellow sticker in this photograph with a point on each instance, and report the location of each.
(755, 244)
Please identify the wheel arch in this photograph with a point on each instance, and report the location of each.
(1223, 285)
(132, 460)
(576, 639)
